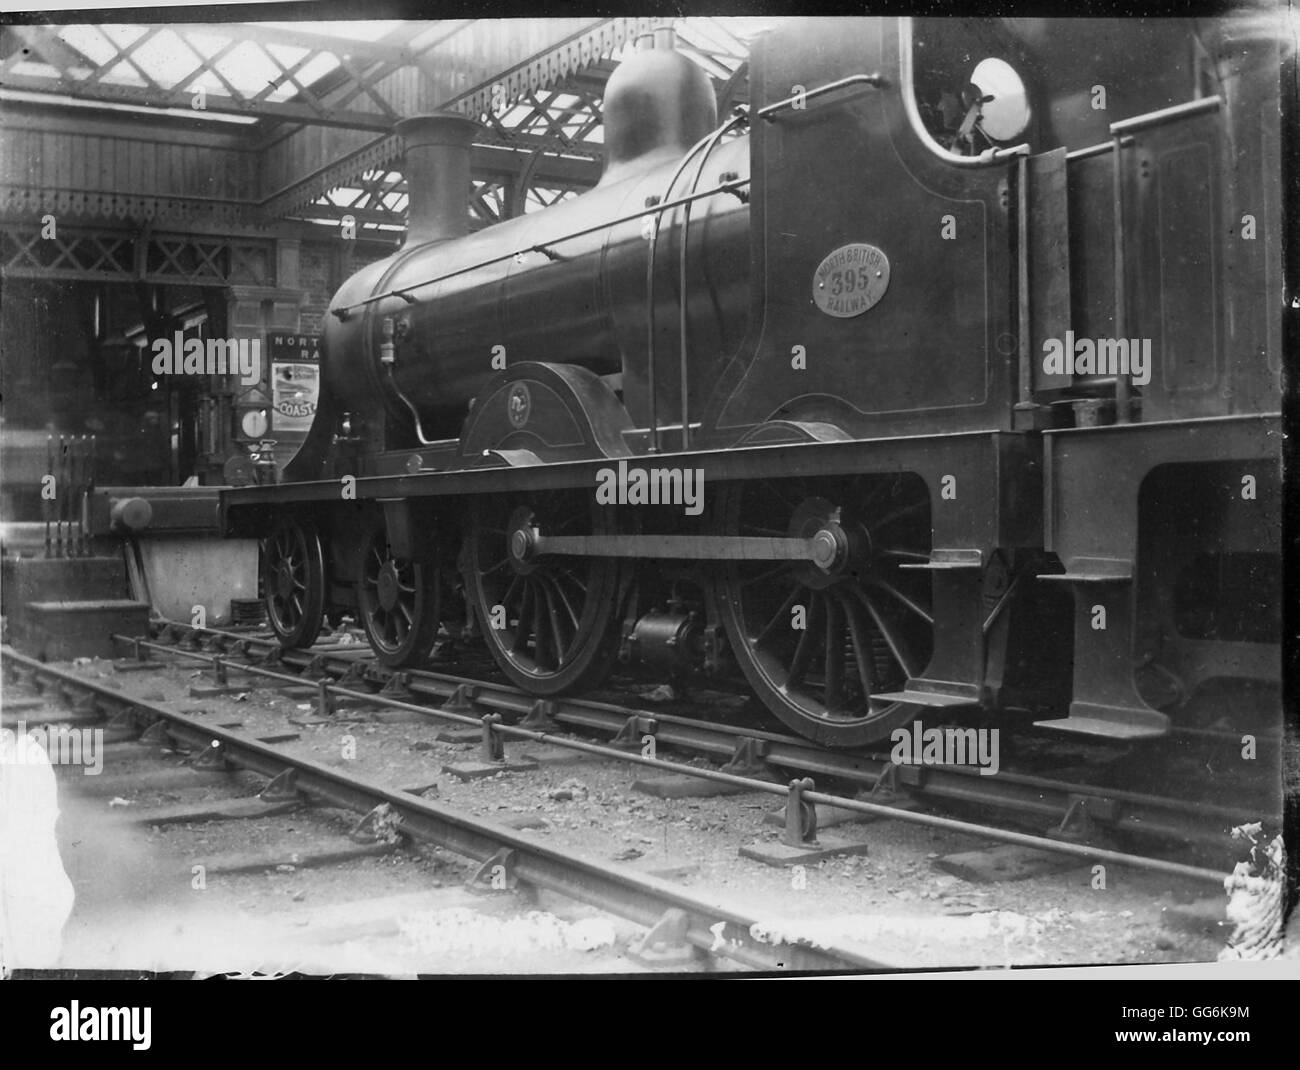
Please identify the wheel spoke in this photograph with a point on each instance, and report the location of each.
(803, 650)
(904, 513)
(771, 573)
(557, 637)
(896, 644)
(885, 585)
(861, 651)
(834, 667)
(784, 611)
(525, 620)
(407, 571)
(507, 599)
(564, 601)
(568, 574)
(541, 651)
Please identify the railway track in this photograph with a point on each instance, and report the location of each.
(712, 927)
(1080, 817)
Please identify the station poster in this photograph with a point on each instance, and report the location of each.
(295, 381)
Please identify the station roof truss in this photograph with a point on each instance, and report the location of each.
(253, 71)
(261, 124)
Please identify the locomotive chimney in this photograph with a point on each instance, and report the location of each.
(436, 168)
(657, 103)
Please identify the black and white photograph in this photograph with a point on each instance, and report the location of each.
(751, 494)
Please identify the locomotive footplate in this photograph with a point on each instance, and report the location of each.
(985, 456)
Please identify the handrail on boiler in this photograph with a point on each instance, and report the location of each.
(713, 141)
(404, 292)
(660, 205)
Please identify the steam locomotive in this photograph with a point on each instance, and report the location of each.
(942, 380)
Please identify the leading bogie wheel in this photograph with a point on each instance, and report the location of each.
(293, 581)
(399, 601)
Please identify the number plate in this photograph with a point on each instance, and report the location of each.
(851, 280)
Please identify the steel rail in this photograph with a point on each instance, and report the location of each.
(961, 790)
(711, 737)
(638, 897)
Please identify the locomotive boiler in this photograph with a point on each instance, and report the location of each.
(827, 311)
(565, 285)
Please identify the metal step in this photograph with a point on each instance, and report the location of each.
(1094, 570)
(943, 560)
(1084, 577)
(925, 698)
